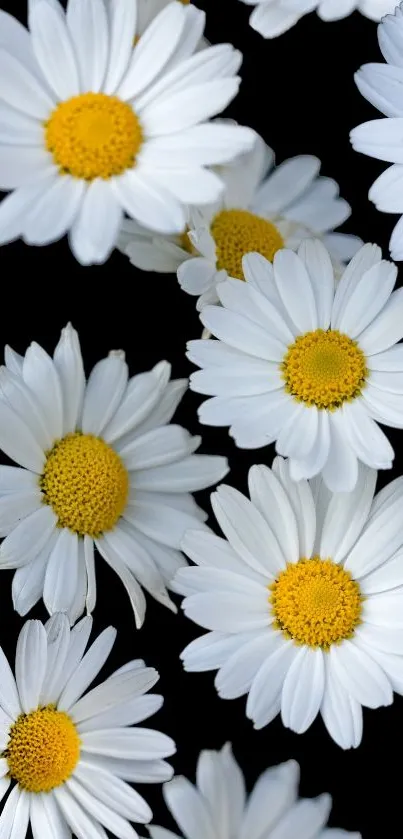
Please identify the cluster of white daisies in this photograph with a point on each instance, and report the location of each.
(107, 135)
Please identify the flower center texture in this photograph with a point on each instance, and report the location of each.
(93, 136)
(324, 369)
(85, 483)
(43, 749)
(316, 603)
(238, 232)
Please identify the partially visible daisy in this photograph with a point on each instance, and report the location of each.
(306, 365)
(273, 17)
(67, 755)
(105, 127)
(101, 468)
(219, 808)
(263, 209)
(383, 138)
(304, 602)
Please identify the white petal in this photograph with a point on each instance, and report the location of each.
(28, 581)
(189, 808)
(55, 211)
(273, 795)
(30, 664)
(69, 365)
(235, 677)
(133, 743)
(366, 439)
(295, 289)
(14, 819)
(387, 576)
(54, 51)
(95, 230)
(341, 713)
(114, 792)
(210, 651)
(87, 669)
(360, 675)
(364, 259)
(381, 538)
(79, 636)
(320, 270)
(188, 475)
(16, 506)
(264, 700)
(24, 402)
(370, 295)
(27, 540)
(22, 90)
(9, 699)
(178, 110)
(148, 203)
(46, 818)
(58, 639)
(61, 577)
(159, 446)
(87, 24)
(286, 183)
(140, 403)
(105, 388)
(228, 612)
(40, 375)
(270, 498)
(301, 500)
(100, 811)
(386, 329)
(122, 27)
(303, 689)
(153, 51)
(247, 531)
(307, 817)
(341, 468)
(83, 825)
(346, 516)
(18, 442)
(115, 691)
(137, 599)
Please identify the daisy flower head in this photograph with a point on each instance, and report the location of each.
(383, 138)
(99, 466)
(66, 754)
(274, 17)
(306, 365)
(218, 805)
(105, 127)
(303, 599)
(263, 209)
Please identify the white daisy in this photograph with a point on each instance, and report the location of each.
(91, 126)
(304, 602)
(100, 468)
(306, 366)
(70, 755)
(273, 17)
(219, 808)
(262, 209)
(383, 138)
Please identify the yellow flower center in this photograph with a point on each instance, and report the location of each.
(324, 369)
(237, 232)
(43, 749)
(93, 136)
(85, 483)
(316, 603)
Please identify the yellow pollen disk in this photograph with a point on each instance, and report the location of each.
(93, 135)
(43, 749)
(85, 483)
(324, 369)
(238, 232)
(316, 603)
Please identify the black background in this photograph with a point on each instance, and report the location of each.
(298, 92)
